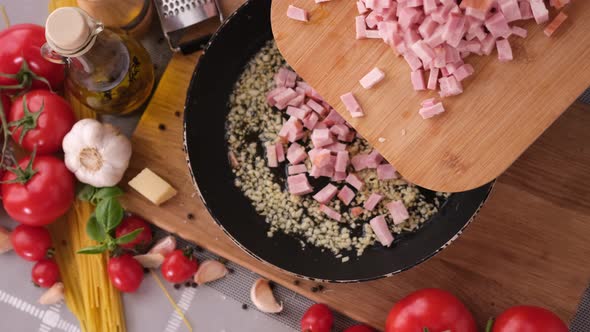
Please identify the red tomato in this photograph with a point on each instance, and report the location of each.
(47, 130)
(130, 224)
(431, 308)
(528, 319)
(42, 197)
(45, 273)
(179, 266)
(5, 100)
(30, 243)
(22, 42)
(359, 328)
(125, 273)
(318, 318)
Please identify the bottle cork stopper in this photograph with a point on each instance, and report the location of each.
(67, 28)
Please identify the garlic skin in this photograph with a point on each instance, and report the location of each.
(53, 295)
(5, 244)
(210, 270)
(263, 298)
(150, 261)
(98, 154)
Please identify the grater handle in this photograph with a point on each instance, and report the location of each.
(194, 45)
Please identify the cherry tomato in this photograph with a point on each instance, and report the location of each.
(359, 328)
(41, 197)
(528, 319)
(125, 273)
(45, 273)
(179, 266)
(30, 243)
(5, 100)
(318, 318)
(130, 224)
(431, 308)
(43, 123)
(20, 43)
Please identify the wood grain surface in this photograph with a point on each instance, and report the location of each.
(504, 109)
(528, 245)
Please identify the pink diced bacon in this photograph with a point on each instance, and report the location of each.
(280, 150)
(346, 195)
(429, 111)
(330, 213)
(352, 105)
(373, 77)
(342, 159)
(326, 194)
(298, 14)
(297, 169)
(271, 155)
(540, 12)
(417, 78)
(398, 212)
(386, 172)
(381, 230)
(354, 181)
(372, 201)
(298, 185)
(504, 50)
(296, 153)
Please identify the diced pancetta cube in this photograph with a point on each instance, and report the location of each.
(354, 181)
(510, 9)
(271, 155)
(520, 32)
(303, 85)
(298, 184)
(418, 80)
(475, 13)
(330, 213)
(428, 102)
(423, 51)
(333, 118)
(372, 201)
(433, 78)
(342, 159)
(321, 137)
(557, 21)
(359, 162)
(525, 10)
(356, 211)
(297, 112)
(360, 6)
(296, 153)
(386, 172)
(452, 54)
(431, 110)
(361, 27)
(449, 86)
(270, 97)
(488, 44)
(310, 121)
(440, 60)
(441, 14)
(558, 4)
(346, 195)
(388, 31)
(373, 34)
(373, 159)
(408, 16)
(373, 77)
(336, 147)
(498, 26)
(280, 152)
(398, 212)
(319, 109)
(381, 4)
(327, 171)
(297, 13)
(371, 20)
(297, 101)
(326, 194)
(463, 72)
(283, 98)
(540, 12)
(429, 6)
(352, 105)
(280, 77)
(504, 50)
(413, 61)
(381, 230)
(414, 3)
(339, 176)
(454, 30)
(297, 169)
(320, 157)
(341, 130)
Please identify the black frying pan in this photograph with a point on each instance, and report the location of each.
(230, 49)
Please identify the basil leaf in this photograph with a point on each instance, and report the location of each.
(124, 239)
(107, 192)
(86, 193)
(93, 250)
(109, 213)
(95, 230)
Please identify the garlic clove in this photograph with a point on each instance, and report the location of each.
(210, 270)
(263, 298)
(150, 261)
(53, 295)
(165, 246)
(5, 244)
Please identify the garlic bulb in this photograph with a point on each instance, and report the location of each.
(98, 154)
(263, 298)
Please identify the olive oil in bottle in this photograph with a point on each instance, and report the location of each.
(107, 70)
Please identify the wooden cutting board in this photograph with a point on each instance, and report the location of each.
(529, 243)
(504, 109)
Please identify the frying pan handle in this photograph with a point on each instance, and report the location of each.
(194, 45)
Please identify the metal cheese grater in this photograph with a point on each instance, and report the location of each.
(177, 15)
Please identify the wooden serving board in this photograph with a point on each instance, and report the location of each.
(528, 245)
(504, 109)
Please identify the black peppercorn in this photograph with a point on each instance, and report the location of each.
(245, 306)
(177, 286)
(162, 126)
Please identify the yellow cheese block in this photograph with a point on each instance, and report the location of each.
(152, 187)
